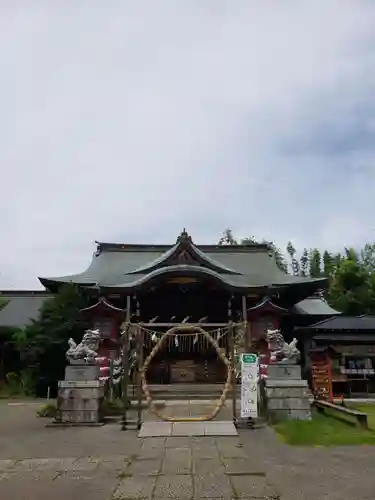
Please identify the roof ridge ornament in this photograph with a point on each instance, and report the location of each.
(184, 237)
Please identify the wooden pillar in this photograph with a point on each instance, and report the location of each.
(125, 362)
(247, 329)
(232, 357)
(139, 344)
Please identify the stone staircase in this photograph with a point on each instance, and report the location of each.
(193, 400)
(185, 392)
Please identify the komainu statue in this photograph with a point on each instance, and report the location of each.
(86, 350)
(281, 351)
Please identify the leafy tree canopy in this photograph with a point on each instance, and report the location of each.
(44, 342)
(351, 273)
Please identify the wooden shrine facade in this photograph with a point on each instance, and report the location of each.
(234, 292)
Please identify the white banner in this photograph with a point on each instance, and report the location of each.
(249, 385)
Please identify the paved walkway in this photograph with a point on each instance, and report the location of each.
(183, 468)
(178, 429)
(39, 463)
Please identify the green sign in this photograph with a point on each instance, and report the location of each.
(249, 358)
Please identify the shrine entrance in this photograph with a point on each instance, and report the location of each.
(182, 343)
(191, 332)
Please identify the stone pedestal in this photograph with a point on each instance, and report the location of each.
(286, 393)
(80, 396)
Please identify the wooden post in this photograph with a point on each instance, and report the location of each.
(232, 357)
(140, 341)
(139, 354)
(111, 379)
(247, 339)
(125, 363)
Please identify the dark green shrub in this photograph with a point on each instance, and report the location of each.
(48, 410)
(112, 408)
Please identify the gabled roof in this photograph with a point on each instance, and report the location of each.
(22, 307)
(242, 267)
(346, 323)
(103, 305)
(184, 252)
(267, 305)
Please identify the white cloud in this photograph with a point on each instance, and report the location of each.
(133, 120)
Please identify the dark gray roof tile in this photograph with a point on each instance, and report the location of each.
(315, 306)
(112, 265)
(345, 323)
(21, 308)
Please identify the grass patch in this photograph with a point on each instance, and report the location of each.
(365, 408)
(323, 430)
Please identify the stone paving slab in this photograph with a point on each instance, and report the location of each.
(135, 487)
(212, 485)
(188, 429)
(220, 429)
(155, 429)
(214, 428)
(151, 467)
(250, 486)
(177, 461)
(174, 486)
(204, 466)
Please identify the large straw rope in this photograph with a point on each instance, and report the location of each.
(156, 349)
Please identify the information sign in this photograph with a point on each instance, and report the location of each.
(249, 385)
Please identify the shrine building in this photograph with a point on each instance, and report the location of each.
(213, 286)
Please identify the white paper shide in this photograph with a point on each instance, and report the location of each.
(249, 385)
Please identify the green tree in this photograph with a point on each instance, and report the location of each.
(227, 238)
(315, 263)
(292, 252)
(44, 342)
(328, 264)
(279, 257)
(250, 240)
(304, 262)
(352, 287)
(368, 257)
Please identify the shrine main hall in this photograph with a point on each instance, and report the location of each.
(216, 287)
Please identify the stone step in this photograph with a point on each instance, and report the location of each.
(185, 391)
(168, 396)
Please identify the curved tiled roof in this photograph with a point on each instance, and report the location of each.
(116, 266)
(315, 305)
(200, 256)
(234, 281)
(236, 266)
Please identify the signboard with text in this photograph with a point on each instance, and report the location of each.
(249, 385)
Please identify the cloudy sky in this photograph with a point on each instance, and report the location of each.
(129, 120)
